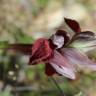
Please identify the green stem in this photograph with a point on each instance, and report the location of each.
(58, 87)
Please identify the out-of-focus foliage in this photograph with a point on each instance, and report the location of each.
(5, 93)
(22, 21)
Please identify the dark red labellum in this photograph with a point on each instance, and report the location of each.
(40, 51)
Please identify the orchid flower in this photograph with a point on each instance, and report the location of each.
(61, 54)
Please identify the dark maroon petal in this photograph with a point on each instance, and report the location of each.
(49, 70)
(51, 44)
(78, 59)
(86, 41)
(62, 65)
(73, 24)
(40, 51)
(85, 35)
(64, 34)
(23, 48)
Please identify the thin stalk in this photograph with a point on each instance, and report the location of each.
(58, 87)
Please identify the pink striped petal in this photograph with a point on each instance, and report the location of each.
(62, 66)
(78, 59)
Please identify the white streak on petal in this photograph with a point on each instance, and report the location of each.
(64, 71)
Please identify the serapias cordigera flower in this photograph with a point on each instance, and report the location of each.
(61, 54)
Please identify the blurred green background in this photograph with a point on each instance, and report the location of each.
(23, 21)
